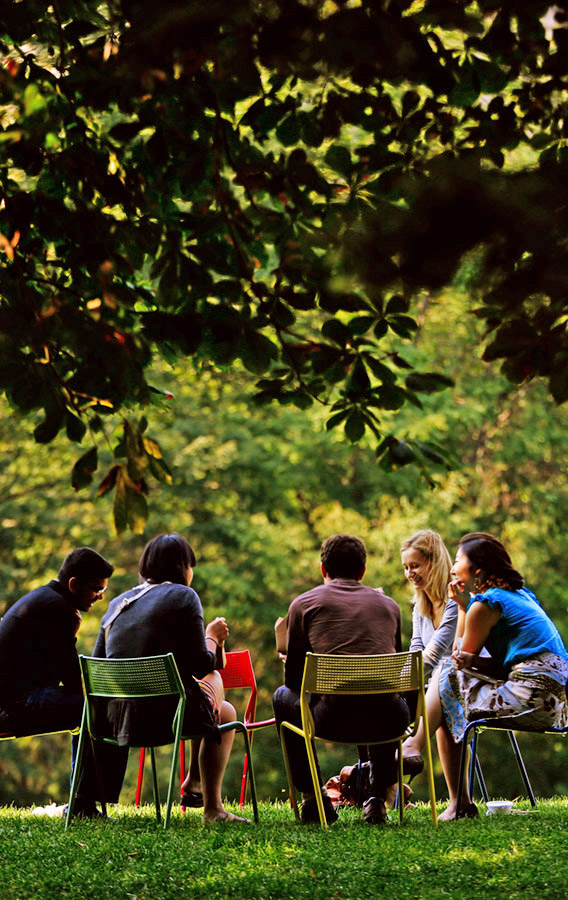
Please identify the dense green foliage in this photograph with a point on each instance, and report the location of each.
(276, 183)
(517, 856)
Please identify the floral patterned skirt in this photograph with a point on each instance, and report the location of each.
(535, 691)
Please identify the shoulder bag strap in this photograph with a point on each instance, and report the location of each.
(128, 601)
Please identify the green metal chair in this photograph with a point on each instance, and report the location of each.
(131, 679)
(354, 675)
(128, 679)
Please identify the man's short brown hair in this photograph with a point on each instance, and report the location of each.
(344, 556)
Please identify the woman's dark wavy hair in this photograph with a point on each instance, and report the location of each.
(166, 558)
(486, 552)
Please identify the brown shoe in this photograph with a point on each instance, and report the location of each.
(374, 811)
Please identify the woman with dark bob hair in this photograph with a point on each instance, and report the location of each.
(524, 657)
(163, 614)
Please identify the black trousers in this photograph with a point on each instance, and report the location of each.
(353, 719)
(43, 710)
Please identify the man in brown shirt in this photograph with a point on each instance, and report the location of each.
(342, 616)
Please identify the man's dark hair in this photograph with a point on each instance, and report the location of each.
(344, 556)
(166, 558)
(84, 564)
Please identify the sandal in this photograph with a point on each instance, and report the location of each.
(412, 766)
(192, 799)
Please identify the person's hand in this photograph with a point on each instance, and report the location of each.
(462, 660)
(457, 592)
(218, 630)
(77, 621)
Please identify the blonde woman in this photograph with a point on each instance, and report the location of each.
(427, 565)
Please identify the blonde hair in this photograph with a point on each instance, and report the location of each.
(431, 546)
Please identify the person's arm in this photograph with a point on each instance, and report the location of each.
(298, 646)
(70, 671)
(441, 642)
(99, 648)
(216, 634)
(198, 656)
(479, 620)
(416, 641)
(460, 627)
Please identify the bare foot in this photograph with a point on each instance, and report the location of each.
(225, 816)
(449, 814)
(468, 810)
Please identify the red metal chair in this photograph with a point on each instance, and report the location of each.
(238, 673)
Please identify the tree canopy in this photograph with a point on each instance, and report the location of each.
(278, 183)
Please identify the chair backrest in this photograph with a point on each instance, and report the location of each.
(381, 674)
(341, 674)
(239, 673)
(130, 679)
(149, 676)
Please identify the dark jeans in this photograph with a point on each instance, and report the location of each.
(357, 720)
(43, 710)
(112, 762)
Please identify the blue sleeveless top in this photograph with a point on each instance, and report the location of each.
(523, 629)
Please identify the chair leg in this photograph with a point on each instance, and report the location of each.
(244, 782)
(428, 761)
(182, 768)
(249, 775)
(475, 769)
(463, 758)
(315, 780)
(291, 788)
(140, 781)
(178, 744)
(155, 784)
(245, 773)
(481, 780)
(521, 765)
(76, 770)
(100, 779)
(400, 789)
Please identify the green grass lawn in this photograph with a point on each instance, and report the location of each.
(502, 857)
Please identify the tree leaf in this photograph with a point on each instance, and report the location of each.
(109, 480)
(358, 380)
(336, 419)
(120, 505)
(47, 430)
(355, 426)
(428, 382)
(84, 468)
(336, 331)
(338, 158)
(75, 428)
(257, 351)
(136, 509)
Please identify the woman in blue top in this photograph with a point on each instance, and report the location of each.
(527, 662)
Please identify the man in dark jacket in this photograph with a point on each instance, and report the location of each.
(40, 680)
(342, 616)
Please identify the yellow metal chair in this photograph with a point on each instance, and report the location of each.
(355, 675)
